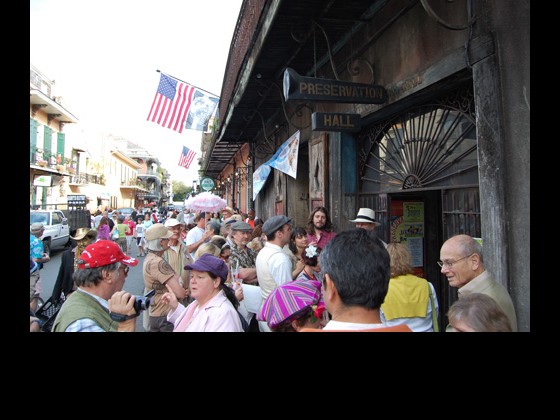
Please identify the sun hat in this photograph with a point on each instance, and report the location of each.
(81, 233)
(234, 218)
(171, 222)
(275, 223)
(210, 263)
(288, 300)
(228, 209)
(157, 231)
(242, 226)
(37, 227)
(104, 252)
(365, 215)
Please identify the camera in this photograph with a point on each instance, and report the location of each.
(143, 302)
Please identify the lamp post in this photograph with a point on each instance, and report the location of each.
(193, 192)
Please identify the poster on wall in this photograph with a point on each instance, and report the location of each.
(407, 227)
(413, 231)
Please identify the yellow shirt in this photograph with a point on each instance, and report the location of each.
(407, 297)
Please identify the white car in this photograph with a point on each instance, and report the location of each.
(57, 231)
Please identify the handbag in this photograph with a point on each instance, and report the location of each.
(47, 313)
(115, 234)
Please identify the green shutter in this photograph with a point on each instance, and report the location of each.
(32, 139)
(60, 145)
(47, 144)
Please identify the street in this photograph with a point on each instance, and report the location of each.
(134, 282)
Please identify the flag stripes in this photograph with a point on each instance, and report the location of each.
(187, 156)
(171, 104)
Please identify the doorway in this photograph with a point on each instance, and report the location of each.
(415, 219)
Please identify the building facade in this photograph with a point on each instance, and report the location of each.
(64, 160)
(442, 150)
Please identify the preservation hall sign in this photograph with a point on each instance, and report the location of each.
(327, 90)
(327, 121)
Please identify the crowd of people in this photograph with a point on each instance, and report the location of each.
(231, 272)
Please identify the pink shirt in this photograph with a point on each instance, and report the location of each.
(324, 238)
(218, 315)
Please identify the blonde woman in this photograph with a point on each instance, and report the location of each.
(409, 299)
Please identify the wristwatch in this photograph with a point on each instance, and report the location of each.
(121, 317)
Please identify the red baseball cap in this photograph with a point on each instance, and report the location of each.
(102, 253)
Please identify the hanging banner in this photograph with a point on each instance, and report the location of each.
(259, 178)
(285, 158)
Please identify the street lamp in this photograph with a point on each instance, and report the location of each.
(193, 192)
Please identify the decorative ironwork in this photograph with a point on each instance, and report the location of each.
(422, 147)
(355, 69)
(431, 12)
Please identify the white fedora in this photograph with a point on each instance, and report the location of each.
(365, 215)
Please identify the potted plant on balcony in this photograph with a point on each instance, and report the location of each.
(42, 162)
(71, 170)
(60, 168)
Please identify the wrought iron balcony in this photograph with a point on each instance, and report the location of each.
(83, 179)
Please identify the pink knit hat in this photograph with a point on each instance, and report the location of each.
(289, 299)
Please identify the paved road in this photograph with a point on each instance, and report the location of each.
(134, 282)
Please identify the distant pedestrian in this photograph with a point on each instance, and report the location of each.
(37, 254)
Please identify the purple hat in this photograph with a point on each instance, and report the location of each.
(214, 265)
(289, 299)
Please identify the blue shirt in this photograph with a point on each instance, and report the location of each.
(36, 248)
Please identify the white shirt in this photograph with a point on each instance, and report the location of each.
(338, 325)
(194, 235)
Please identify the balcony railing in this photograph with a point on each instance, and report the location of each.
(133, 182)
(47, 158)
(83, 178)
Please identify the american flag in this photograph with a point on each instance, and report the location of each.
(187, 156)
(171, 104)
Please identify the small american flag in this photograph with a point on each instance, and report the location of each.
(187, 156)
(171, 104)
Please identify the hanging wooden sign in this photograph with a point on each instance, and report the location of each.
(328, 90)
(327, 121)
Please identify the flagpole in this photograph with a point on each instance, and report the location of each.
(213, 94)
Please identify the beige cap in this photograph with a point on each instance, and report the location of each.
(157, 231)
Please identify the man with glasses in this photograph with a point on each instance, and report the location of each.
(462, 263)
(99, 304)
(274, 267)
(244, 260)
(242, 256)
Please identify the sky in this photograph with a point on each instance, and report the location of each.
(104, 56)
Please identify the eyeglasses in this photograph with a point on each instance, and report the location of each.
(450, 263)
(125, 268)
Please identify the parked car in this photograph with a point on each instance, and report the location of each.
(57, 231)
(125, 211)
